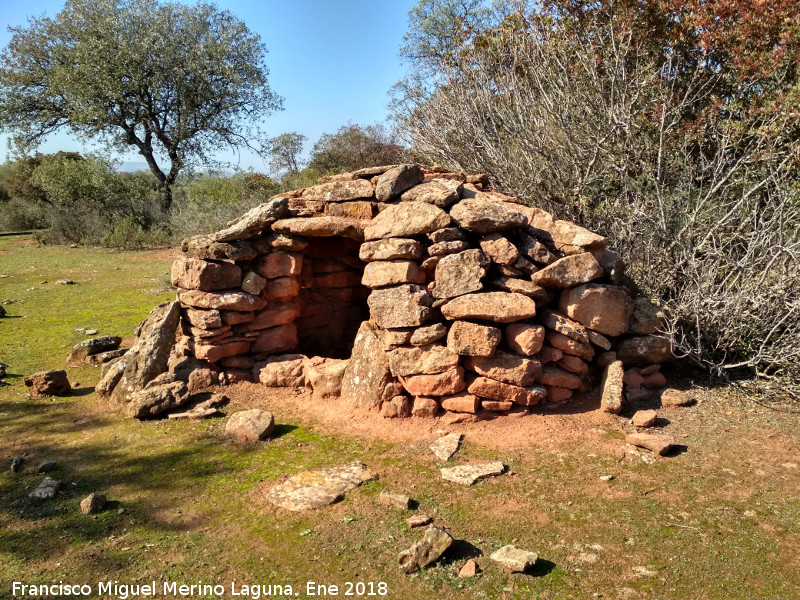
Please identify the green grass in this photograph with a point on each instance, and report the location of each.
(187, 504)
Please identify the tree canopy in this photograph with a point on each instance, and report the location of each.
(355, 147)
(285, 152)
(174, 81)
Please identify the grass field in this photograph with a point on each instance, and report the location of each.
(719, 520)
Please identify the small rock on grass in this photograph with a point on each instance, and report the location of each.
(46, 490)
(47, 466)
(470, 569)
(513, 559)
(401, 501)
(65, 282)
(16, 464)
(419, 521)
(644, 418)
(432, 545)
(469, 474)
(93, 503)
(658, 444)
(446, 446)
(250, 425)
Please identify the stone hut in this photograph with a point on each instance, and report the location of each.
(410, 291)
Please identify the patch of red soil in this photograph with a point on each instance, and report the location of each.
(578, 422)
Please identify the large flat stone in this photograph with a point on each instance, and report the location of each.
(390, 249)
(480, 216)
(505, 367)
(197, 274)
(499, 391)
(429, 359)
(432, 545)
(461, 273)
(605, 309)
(469, 474)
(367, 373)
(569, 271)
(254, 221)
(397, 180)
(339, 191)
(223, 300)
(499, 307)
(314, 489)
(321, 227)
(401, 306)
(406, 219)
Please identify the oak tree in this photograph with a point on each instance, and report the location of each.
(175, 82)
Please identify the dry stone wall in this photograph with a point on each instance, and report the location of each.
(444, 294)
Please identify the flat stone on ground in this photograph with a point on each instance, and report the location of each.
(397, 500)
(644, 418)
(658, 444)
(46, 490)
(314, 489)
(469, 474)
(419, 521)
(446, 446)
(250, 425)
(513, 559)
(433, 544)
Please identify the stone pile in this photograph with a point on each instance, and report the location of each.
(445, 294)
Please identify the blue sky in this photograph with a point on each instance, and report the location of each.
(332, 61)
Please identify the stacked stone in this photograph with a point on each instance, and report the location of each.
(476, 302)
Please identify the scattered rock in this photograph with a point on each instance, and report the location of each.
(513, 559)
(16, 464)
(658, 444)
(470, 569)
(446, 446)
(156, 399)
(611, 401)
(47, 466)
(65, 282)
(81, 352)
(46, 490)
(91, 332)
(672, 398)
(250, 425)
(284, 370)
(419, 521)
(606, 477)
(433, 544)
(149, 356)
(469, 474)
(644, 418)
(325, 377)
(48, 383)
(93, 503)
(401, 501)
(315, 489)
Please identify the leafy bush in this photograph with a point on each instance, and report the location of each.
(671, 127)
(207, 202)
